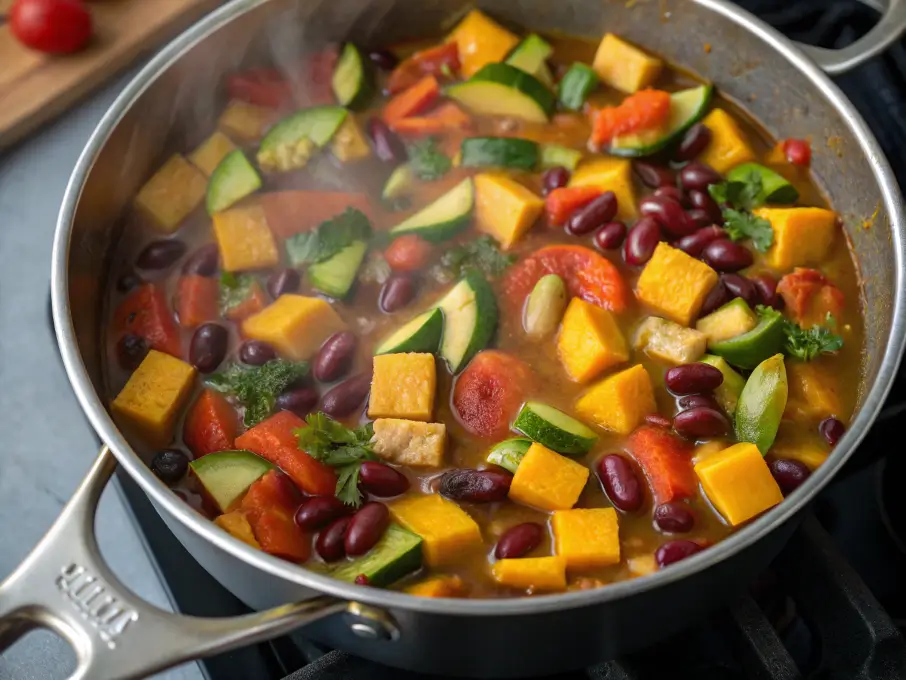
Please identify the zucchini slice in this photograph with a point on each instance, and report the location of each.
(554, 429)
(398, 553)
(225, 476)
(553, 155)
(352, 79)
(509, 453)
(531, 56)
(470, 319)
(400, 183)
(294, 140)
(422, 334)
(444, 218)
(504, 90)
(580, 80)
(774, 186)
(499, 152)
(335, 276)
(233, 179)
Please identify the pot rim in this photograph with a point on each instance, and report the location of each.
(162, 497)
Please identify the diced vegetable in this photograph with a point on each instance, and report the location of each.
(509, 453)
(728, 146)
(563, 202)
(624, 66)
(237, 525)
(352, 80)
(738, 483)
(590, 341)
(256, 388)
(731, 320)
(809, 448)
(409, 442)
(435, 61)
(813, 392)
(438, 586)
(774, 187)
(499, 152)
(675, 284)
(481, 41)
(403, 386)
(295, 325)
(609, 174)
(294, 212)
(232, 180)
(244, 239)
(504, 90)
(445, 119)
(531, 56)
(470, 319)
(422, 334)
(225, 476)
(802, 236)
(587, 538)
(750, 349)
(349, 143)
(727, 393)
(810, 296)
(578, 82)
(262, 87)
(547, 480)
(531, 573)
(554, 429)
(504, 208)
(620, 401)
(172, 193)
(145, 313)
(240, 296)
(270, 506)
(196, 300)
(446, 529)
(668, 341)
(665, 460)
(335, 276)
(761, 404)
(210, 152)
(211, 425)
(400, 184)
(245, 122)
(412, 101)
(442, 219)
(641, 116)
(488, 393)
(544, 307)
(553, 155)
(294, 140)
(398, 553)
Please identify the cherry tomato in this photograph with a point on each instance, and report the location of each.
(408, 253)
(53, 26)
(797, 152)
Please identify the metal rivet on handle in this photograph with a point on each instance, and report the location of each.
(369, 623)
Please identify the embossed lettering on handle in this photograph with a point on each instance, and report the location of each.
(93, 599)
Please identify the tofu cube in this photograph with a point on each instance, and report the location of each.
(504, 208)
(213, 150)
(738, 483)
(154, 395)
(438, 586)
(236, 524)
(348, 143)
(403, 386)
(172, 193)
(446, 529)
(587, 538)
(408, 442)
(675, 284)
(547, 480)
(294, 324)
(728, 146)
(813, 391)
(590, 341)
(244, 121)
(609, 174)
(667, 341)
(481, 40)
(624, 66)
(244, 239)
(620, 401)
(802, 236)
(531, 573)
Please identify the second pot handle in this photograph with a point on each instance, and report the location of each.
(65, 585)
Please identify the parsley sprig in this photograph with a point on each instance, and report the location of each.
(234, 290)
(805, 344)
(739, 199)
(257, 387)
(427, 161)
(328, 238)
(481, 253)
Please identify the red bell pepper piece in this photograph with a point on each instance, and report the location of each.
(211, 424)
(253, 303)
(442, 60)
(490, 391)
(270, 505)
(644, 110)
(810, 297)
(261, 86)
(444, 118)
(666, 461)
(412, 101)
(293, 212)
(145, 313)
(197, 300)
(563, 202)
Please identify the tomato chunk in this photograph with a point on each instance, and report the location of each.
(490, 391)
(563, 202)
(810, 297)
(434, 61)
(666, 461)
(211, 424)
(254, 302)
(197, 300)
(412, 101)
(270, 505)
(408, 253)
(145, 313)
(293, 212)
(797, 152)
(445, 118)
(645, 110)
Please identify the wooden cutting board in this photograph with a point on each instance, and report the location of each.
(36, 87)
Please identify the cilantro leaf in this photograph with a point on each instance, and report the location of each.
(234, 290)
(328, 238)
(740, 225)
(482, 254)
(256, 387)
(348, 484)
(747, 194)
(427, 161)
(805, 345)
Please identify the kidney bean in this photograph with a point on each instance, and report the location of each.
(335, 356)
(382, 480)
(832, 430)
(170, 465)
(366, 528)
(160, 254)
(208, 347)
(318, 511)
(331, 542)
(695, 243)
(674, 518)
(383, 59)
(475, 486)
(693, 143)
(693, 378)
(519, 541)
(766, 285)
(256, 353)
(674, 551)
(653, 175)
(701, 423)
(342, 400)
(130, 351)
(298, 400)
(641, 241)
(554, 178)
(698, 176)
(703, 201)
(387, 146)
(588, 218)
(658, 420)
(699, 218)
(697, 400)
(128, 281)
(740, 287)
(717, 297)
(620, 482)
(610, 236)
(672, 193)
(397, 292)
(726, 256)
(283, 281)
(789, 474)
(668, 213)
(203, 262)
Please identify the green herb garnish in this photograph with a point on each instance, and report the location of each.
(234, 290)
(328, 238)
(482, 254)
(746, 194)
(741, 225)
(806, 344)
(427, 161)
(742, 197)
(257, 387)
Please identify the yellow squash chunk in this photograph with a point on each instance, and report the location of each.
(624, 66)
(245, 121)
(794, 444)
(727, 322)
(295, 325)
(409, 442)
(213, 150)
(244, 239)
(587, 538)
(236, 524)
(438, 586)
(675, 284)
(620, 401)
(728, 146)
(531, 573)
(481, 40)
(446, 529)
(590, 341)
(154, 395)
(504, 208)
(403, 386)
(547, 480)
(667, 341)
(738, 483)
(609, 174)
(813, 392)
(349, 144)
(802, 236)
(172, 193)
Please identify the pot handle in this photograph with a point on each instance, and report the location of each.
(885, 32)
(65, 585)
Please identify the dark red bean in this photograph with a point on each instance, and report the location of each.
(697, 400)
(382, 480)
(317, 512)
(283, 281)
(203, 262)
(703, 201)
(716, 298)
(366, 528)
(726, 256)
(554, 178)
(131, 351)
(383, 59)
(298, 400)
(160, 254)
(654, 176)
(668, 213)
(387, 146)
(641, 241)
(674, 551)
(658, 420)
(832, 430)
(789, 474)
(362, 580)
(672, 193)
(593, 215)
(335, 356)
(674, 518)
(475, 486)
(698, 176)
(740, 287)
(397, 292)
(620, 482)
(693, 378)
(693, 143)
(699, 218)
(208, 347)
(331, 542)
(170, 465)
(695, 243)
(519, 541)
(128, 281)
(256, 353)
(701, 423)
(345, 398)
(767, 289)
(610, 236)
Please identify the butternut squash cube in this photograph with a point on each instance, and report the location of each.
(667, 341)
(813, 391)
(590, 341)
(348, 143)
(587, 538)
(802, 236)
(531, 573)
(609, 174)
(675, 284)
(294, 324)
(154, 395)
(403, 386)
(236, 524)
(481, 41)
(624, 66)
(244, 239)
(438, 586)
(620, 401)
(728, 146)
(172, 193)
(408, 442)
(446, 529)
(504, 208)
(213, 150)
(547, 480)
(244, 121)
(738, 483)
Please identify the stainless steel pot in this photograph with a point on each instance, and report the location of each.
(65, 585)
